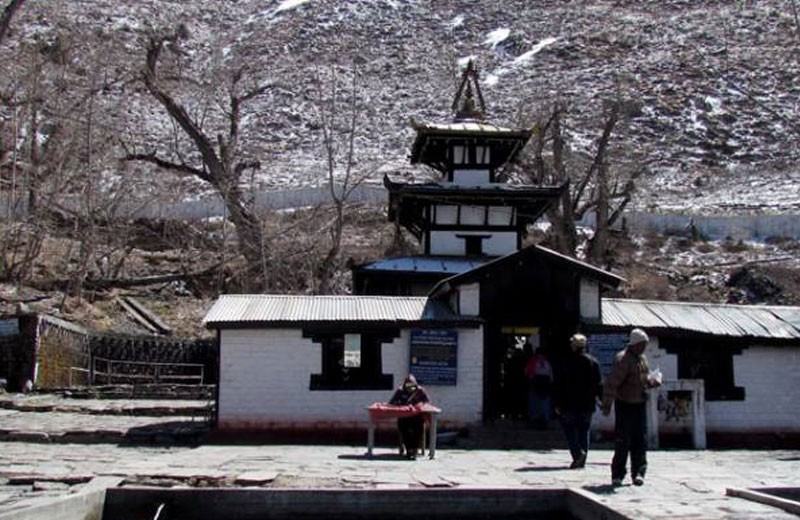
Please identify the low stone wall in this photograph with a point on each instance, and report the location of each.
(171, 392)
(53, 353)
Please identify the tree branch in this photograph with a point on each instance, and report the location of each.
(175, 109)
(599, 156)
(167, 165)
(245, 165)
(9, 12)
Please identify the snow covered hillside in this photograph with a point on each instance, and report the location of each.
(713, 85)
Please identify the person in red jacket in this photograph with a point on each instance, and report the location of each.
(539, 374)
(411, 428)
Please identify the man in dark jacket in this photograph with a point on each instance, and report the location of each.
(577, 392)
(411, 428)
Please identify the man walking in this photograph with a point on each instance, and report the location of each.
(578, 389)
(626, 387)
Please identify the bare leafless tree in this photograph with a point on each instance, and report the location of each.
(221, 164)
(603, 188)
(58, 140)
(45, 106)
(338, 113)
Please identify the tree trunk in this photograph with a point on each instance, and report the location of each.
(598, 245)
(327, 268)
(248, 227)
(562, 216)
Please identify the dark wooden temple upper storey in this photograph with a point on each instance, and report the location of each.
(468, 214)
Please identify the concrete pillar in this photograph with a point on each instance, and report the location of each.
(698, 411)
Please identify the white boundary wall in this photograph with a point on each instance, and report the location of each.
(746, 227)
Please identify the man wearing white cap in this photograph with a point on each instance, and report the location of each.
(626, 387)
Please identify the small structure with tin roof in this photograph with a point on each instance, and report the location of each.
(310, 364)
(746, 357)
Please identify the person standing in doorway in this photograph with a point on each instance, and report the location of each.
(626, 387)
(578, 390)
(515, 401)
(539, 374)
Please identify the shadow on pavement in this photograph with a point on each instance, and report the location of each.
(167, 433)
(541, 468)
(381, 456)
(602, 489)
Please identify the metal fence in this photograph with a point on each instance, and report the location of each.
(115, 371)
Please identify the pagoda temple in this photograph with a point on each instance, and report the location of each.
(469, 216)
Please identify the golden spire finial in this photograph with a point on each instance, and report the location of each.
(464, 103)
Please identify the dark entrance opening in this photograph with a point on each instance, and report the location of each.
(506, 390)
(513, 403)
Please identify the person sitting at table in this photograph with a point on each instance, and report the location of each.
(411, 428)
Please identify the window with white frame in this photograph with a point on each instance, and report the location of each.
(351, 361)
(711, 361)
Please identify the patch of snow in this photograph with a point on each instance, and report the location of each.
(521, 59)
(581, 141)
(126, 24)
(289, 4)
(496, 37)
(256, 17)
(493, 78)
(715, 103)
(458, 21)
(696, 124)
(462, 62)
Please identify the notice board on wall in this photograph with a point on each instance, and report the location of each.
(9, 327)
(603, 347)
(434, 356)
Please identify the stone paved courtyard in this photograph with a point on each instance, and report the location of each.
(680, 483)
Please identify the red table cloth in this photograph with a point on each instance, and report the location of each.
(384, 411)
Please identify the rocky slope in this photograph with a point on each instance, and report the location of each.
(712, 88)
(713, 85)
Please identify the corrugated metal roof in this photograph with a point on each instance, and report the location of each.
(266, 308)
(465, 126)
(473, 189)
(751, 321)
(789, 315)
(512, 261)
(425, 264)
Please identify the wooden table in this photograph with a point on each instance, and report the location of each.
(384, 412)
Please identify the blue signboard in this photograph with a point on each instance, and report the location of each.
(9, 327)
(603, 347)
(434, 356)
